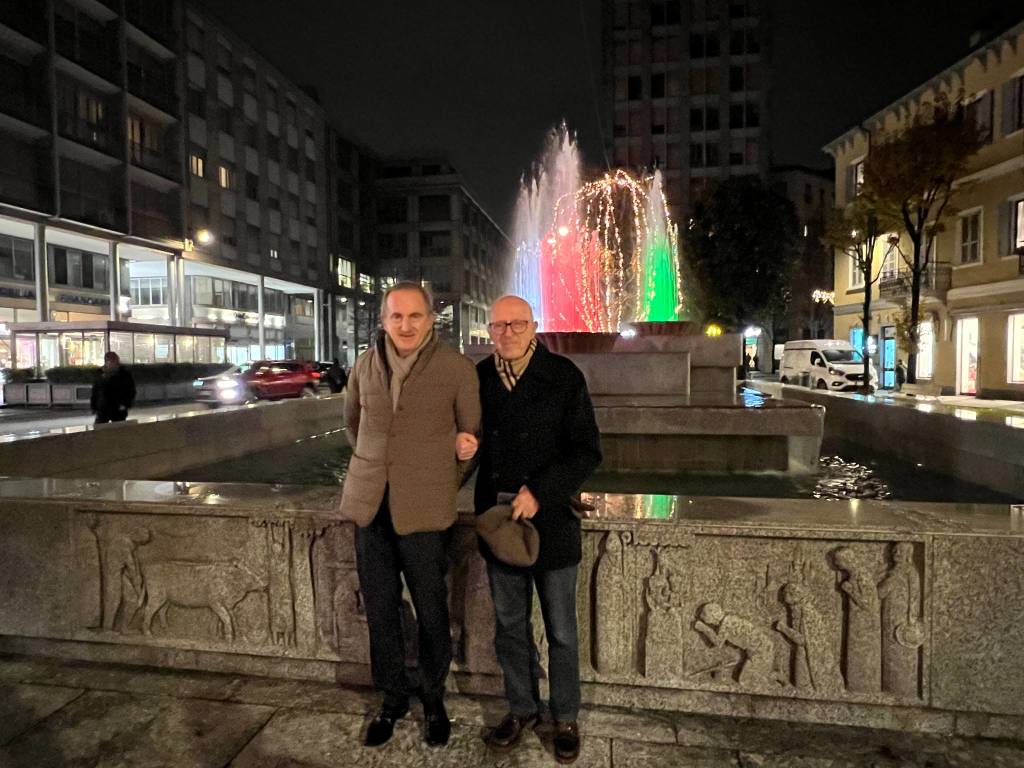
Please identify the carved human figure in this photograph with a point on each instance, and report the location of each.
(280, 597)
(350, 635)
(815, 654)
(753, 641)
(612, 642)
(902, 632)
(664, 626)
(122, 587)
(862, 660)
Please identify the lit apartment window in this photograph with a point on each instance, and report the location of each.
(197, 165)
(854, 179)
(225, 177)
(856, 276)
(365, 283)
(970, 238)
(1015, 349)
(346, 273)
(926, 350)
(1018, 224)
(274, 254)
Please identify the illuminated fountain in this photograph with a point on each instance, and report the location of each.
(590, 257)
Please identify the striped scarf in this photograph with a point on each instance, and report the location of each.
(511, 371)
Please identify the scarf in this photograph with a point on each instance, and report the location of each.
(401, 366)
(510, 371)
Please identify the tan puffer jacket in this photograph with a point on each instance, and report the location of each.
(411, 450)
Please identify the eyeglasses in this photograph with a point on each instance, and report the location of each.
(517, 326)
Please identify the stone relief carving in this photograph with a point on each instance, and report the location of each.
(122, 591)
(862, 653)
(219, 586)
(825, 619)
(614, 639)
(902, 630)
(814, 660)
(664, 597)
(755, 667)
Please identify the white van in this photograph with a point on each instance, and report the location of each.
(831, 364)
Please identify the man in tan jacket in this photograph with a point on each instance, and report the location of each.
(412, 414)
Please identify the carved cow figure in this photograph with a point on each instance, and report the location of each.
(219, 586)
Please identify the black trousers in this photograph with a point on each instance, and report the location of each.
(105, 417)
(382, 558)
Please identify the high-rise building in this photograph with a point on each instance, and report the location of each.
(430, 229)
(686, 85)
(155, 168)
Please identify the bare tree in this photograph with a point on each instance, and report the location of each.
(855, 231)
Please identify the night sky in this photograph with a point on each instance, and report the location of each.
(481, 81)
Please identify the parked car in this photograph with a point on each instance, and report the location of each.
(259, 380)
(831, 364)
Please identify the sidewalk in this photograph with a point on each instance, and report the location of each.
(56, 713)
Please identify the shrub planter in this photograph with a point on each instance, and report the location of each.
(16, 394)
(38, 393)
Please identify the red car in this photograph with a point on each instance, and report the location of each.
(260, 380)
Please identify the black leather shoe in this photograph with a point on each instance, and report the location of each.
(439, 727)
(382, 727)
(567, 742)
(507, 734)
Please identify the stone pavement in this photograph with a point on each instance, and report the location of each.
(78, 715)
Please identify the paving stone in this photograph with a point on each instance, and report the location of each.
(650, 727)
(118, 730)
(634, 754)
(333, 740)
(304, 694)
(748, 760)
(21, 706)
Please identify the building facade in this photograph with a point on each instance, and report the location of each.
(686, 87)
(808, 313)
(154, 168)
(972, 327)
(429, 229)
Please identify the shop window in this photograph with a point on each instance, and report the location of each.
(1015, 349)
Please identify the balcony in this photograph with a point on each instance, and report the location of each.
(155, 18)
(153, 160)
(98, 136)
(21, 99)
(27, 19)
(93, 50)
(155, 86)
(935, 283)
(92, 210)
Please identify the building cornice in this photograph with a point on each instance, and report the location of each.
(986, 289)
(945, 77)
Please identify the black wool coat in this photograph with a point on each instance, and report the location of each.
(542, 435)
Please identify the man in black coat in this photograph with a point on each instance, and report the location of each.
(540, 443)
(113, 392)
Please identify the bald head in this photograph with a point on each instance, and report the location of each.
(509, 301)
(512, 326)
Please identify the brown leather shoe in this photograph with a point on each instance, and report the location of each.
(567, 742)
(507, 734)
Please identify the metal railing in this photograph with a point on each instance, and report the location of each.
(935, 281)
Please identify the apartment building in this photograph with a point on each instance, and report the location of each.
(155, 168)
(686, 88)
(430, 229)
(972, 327)
(808, 313)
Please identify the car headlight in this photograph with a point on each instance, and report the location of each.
(227, 384)
(834, 371)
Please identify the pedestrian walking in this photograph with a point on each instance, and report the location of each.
(113, 392)
(412, 412)
(336, 377)
(901, 375)
(540, 443)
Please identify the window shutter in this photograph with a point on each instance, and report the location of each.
(1005, 221)
(850, 183)
(985, 115)
(1009, 106)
